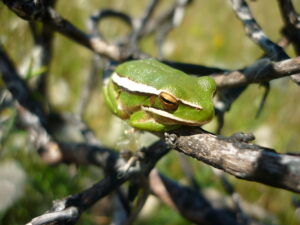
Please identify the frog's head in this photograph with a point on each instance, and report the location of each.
(174, 97)
(189, 102)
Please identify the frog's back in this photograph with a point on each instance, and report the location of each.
(145, 70)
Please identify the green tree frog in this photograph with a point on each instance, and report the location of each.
(155, 97)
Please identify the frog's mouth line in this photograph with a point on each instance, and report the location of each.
(171, 117)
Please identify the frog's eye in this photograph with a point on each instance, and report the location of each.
(168, 101)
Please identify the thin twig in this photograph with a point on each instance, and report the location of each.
(142, 22)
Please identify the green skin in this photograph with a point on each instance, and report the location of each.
(194, 96)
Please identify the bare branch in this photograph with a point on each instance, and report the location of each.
(35, 120)
(80, 202)
(229, 188)
(292, 27)
(292, 22)
(29, 10)
(98, 16)
(254, 31)
(262, 70)
(167, 21)
(69, 215)
(67, 211)
(42, 51)
(194, 69)
(239, 158)
(18, 87)
(189, 203)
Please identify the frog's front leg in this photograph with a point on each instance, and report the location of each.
(142, 120)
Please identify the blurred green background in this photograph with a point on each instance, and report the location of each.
(209, 35)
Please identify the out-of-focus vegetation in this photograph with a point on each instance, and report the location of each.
(209, 35)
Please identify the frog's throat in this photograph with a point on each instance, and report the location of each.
(133, 86)
(171, 117)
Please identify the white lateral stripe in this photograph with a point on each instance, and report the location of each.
(142, 88)
(191, 104)
(170, 116)
(133, 86)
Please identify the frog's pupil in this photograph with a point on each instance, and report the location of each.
(168, 101)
